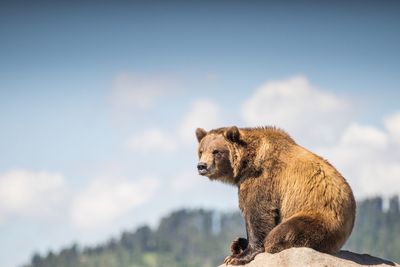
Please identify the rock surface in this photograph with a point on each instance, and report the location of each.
(298, 257)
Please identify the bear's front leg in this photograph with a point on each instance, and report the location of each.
(244, 250)
(257, 227)
(238, 245)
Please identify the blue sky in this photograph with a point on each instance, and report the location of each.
(99, 101)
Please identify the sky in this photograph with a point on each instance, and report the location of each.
(99, 102)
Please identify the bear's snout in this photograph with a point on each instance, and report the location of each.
(202, 168)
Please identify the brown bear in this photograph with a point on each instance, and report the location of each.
(288, 196)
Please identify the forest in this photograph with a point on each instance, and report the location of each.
(201, 238)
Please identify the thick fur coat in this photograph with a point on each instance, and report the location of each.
(288, 196)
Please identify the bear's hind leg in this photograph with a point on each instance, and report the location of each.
(301, 231)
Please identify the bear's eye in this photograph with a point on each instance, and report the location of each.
(216, 152)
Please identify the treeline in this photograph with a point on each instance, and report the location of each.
(187, 238)
(200, 238)
(377, 230)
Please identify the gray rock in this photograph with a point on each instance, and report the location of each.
(297, 257)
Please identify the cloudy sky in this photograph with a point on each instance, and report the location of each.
(99, 102)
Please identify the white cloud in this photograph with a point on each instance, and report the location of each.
(140, 91)
(104, 201)
(308, 113)
(30, 193)
(189, 189)
(359, 135)
(379, 178)
(364, 157)
(186, 181)
(392, 124)
(204, 114)
(323, 122)
(151, 140)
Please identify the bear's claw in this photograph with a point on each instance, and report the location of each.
(231, 260)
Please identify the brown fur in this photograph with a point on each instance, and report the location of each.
(289, 197)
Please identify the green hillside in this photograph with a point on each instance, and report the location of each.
(194, 238)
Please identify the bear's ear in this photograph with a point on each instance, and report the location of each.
(233, 134)
(200, 133)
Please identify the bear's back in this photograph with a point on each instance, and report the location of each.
(311, 184)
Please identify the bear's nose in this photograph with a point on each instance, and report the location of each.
(202, 167)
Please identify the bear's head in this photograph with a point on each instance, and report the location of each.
(217, 153)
